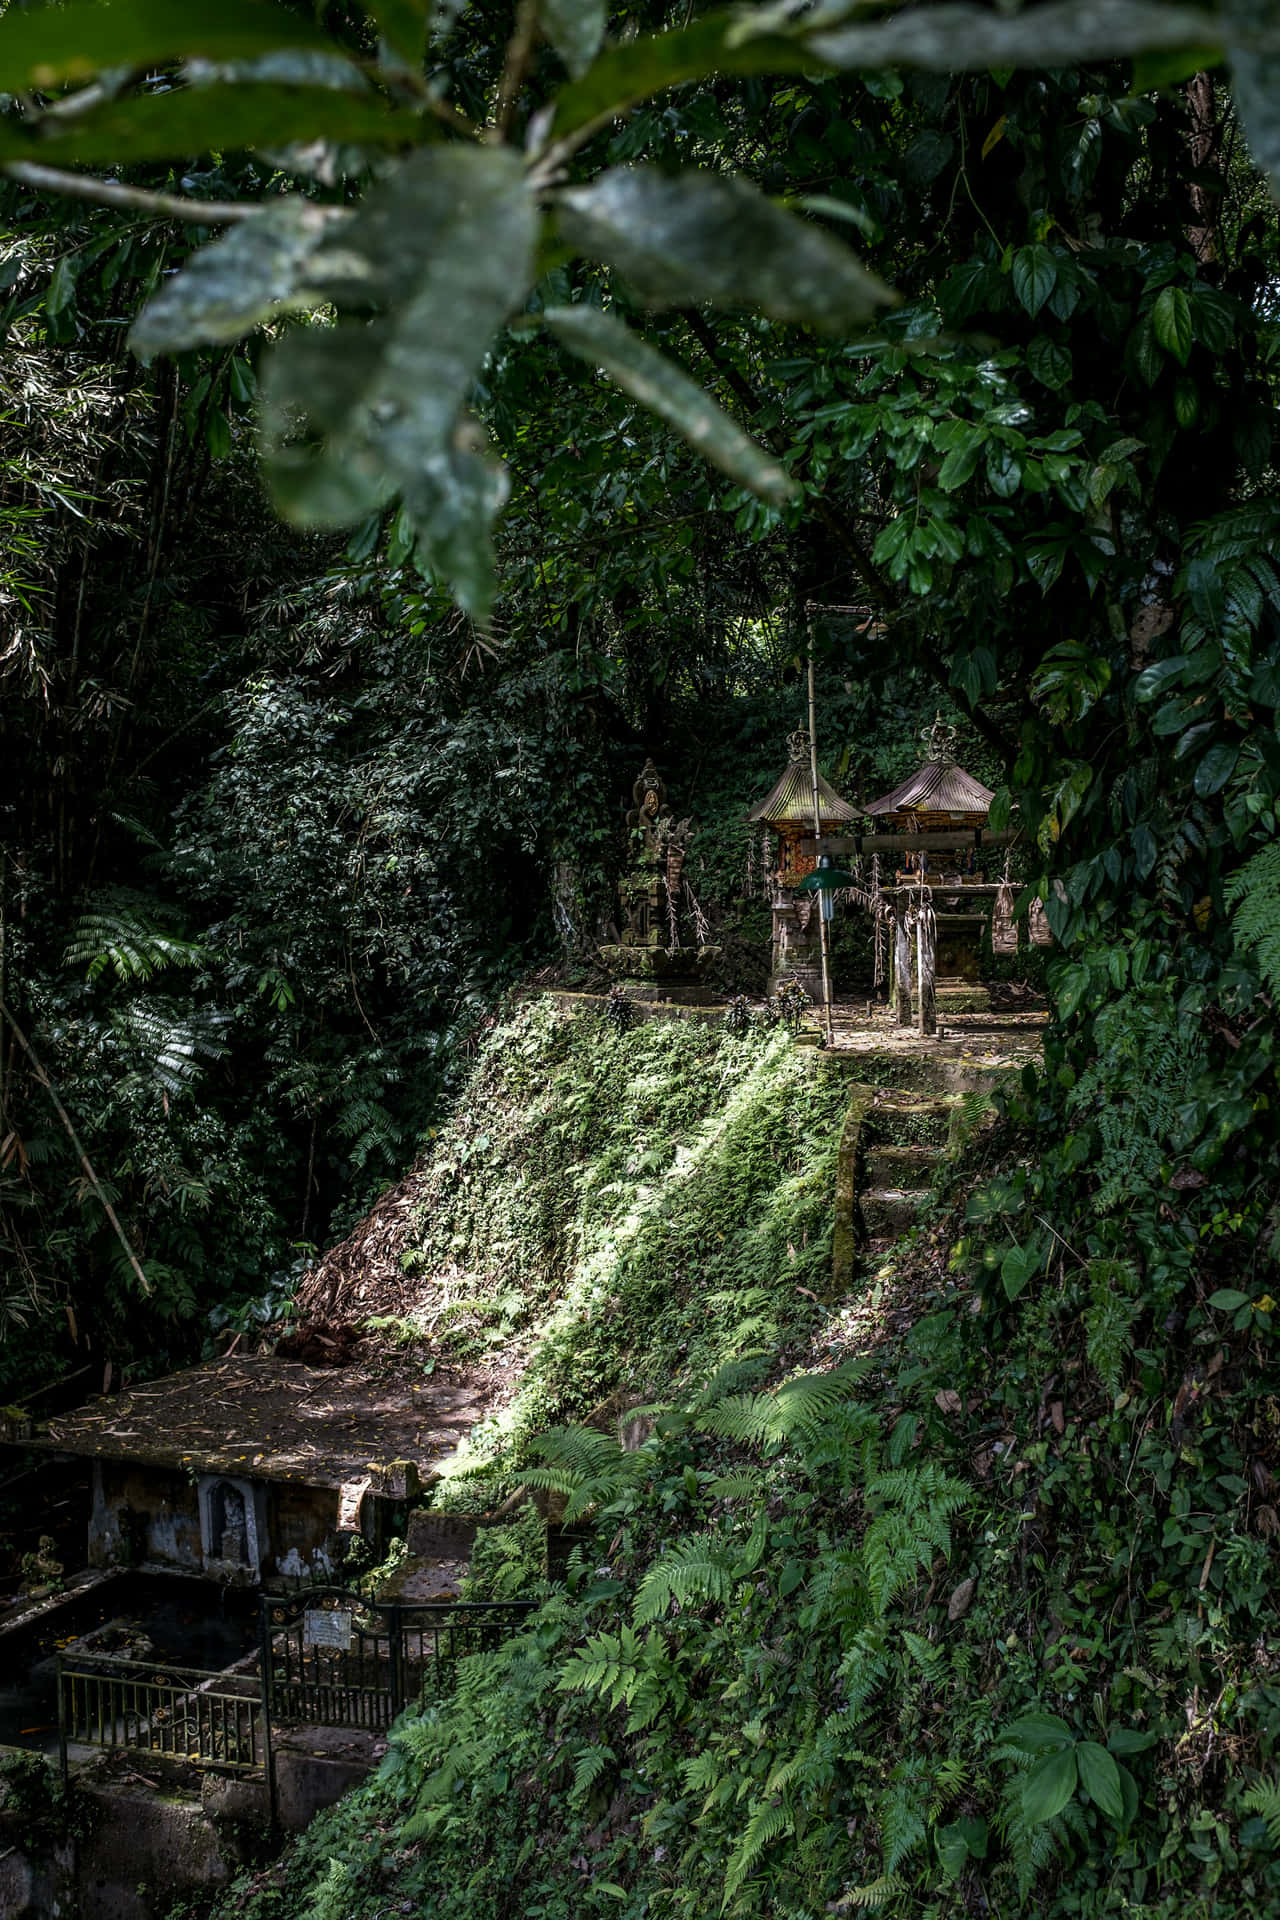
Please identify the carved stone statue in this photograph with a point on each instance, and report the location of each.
(654, 892)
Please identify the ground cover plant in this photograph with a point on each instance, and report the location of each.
(645, 1204)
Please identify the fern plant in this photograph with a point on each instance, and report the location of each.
(1263, 1798)
(121, 939)
(696, 1570)
(1254, 893)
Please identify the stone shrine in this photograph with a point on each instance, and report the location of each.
(941, 798)
(659, 909)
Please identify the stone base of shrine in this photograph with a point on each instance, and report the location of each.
(671, 964)
(810, 978)
(962, 996)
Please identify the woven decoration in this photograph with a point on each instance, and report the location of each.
(1038, 925)
(1004, 930)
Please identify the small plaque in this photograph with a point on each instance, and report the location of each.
(320, 1628)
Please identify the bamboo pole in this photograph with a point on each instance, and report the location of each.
(76, 1142)
(817, 829)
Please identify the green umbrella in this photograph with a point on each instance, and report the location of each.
(825, 879)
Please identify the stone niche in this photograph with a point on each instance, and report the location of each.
(233, 1530)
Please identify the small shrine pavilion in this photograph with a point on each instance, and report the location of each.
(788, 811)
(941, 799)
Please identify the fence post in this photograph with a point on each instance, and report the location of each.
(62, 1724)
(264, 1668)
(395, 1648)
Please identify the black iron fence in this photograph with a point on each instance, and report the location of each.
(326, 1657)
(208, 1719)
(332, 1658)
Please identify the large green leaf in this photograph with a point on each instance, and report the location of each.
(1038, 1733)
(231, 286)
(665, 389)
(221, 118)
(403, 25)
(42, 48)
(1035, 275)
(575, 29)
(1100, 1778)
(626, 74)
(692, 237)
(444, 251)
(1216, 768)
(958, 38)
(1049, 1785)
(1171, 318)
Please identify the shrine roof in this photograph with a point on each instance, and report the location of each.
(790, 801)
(270, 1419)
(939, 786)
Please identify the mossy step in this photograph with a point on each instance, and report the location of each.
(962, 1000)
(902, 1100)
(894, 1166)
(888, 1211)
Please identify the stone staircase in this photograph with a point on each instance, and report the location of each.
(913, 1103)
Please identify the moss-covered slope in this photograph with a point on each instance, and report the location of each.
(976, 1620)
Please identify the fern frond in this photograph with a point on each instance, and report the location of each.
(129, 945)
(1264, 1800)
(1254, 892)
(694, 1571)
(876, 1893)
(591, 1764)
(730, 1376)
(766, 1824)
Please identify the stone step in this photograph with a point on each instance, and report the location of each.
(889, 1211)
(897, 1119)
(900, 1166)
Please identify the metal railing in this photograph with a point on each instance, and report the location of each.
(327, 1657)
(186, 1712)
(332, 1658)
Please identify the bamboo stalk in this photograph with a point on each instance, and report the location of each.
(76, 1142)
(817, 829)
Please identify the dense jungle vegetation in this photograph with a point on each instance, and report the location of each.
(375, 495)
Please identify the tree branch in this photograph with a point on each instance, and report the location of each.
(114, 193)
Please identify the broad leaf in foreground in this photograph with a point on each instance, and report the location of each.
(220, 118)
(575, 29)
(1255, 81)
(962, 39)
(1049, 1785)
(665, 389)
(226, 289)
(352, 414)
(703, 237)
(46, 47)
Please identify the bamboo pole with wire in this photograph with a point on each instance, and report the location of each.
(817, 829)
